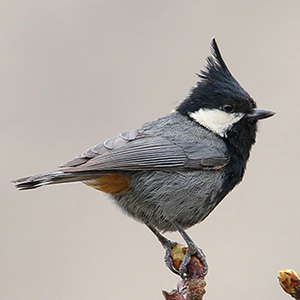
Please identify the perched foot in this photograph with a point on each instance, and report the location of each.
(178, 257)
(168, 246)
(192, 250)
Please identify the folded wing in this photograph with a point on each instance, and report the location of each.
(134, 151)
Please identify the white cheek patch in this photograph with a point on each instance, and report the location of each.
(216, 120)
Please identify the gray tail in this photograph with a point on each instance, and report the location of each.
(35, 181)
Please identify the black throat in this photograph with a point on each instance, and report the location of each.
(239, 141)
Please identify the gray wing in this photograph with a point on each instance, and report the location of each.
(133, 151)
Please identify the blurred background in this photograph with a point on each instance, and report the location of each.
(74, 73)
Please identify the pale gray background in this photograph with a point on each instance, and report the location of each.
(74, 73)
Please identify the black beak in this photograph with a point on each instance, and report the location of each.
(258, 114)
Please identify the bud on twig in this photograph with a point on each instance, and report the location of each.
(290, 282)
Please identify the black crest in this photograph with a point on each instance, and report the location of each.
(216, 87)
(215, 64)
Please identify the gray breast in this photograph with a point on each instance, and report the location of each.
(159, 197)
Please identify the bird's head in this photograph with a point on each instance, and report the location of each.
(218, 102)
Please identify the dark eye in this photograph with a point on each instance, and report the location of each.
(228, 108)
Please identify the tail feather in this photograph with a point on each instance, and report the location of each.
(35, 181)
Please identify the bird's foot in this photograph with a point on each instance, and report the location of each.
(169, 246)
(178, 257)
(170, 257)
(192, 250)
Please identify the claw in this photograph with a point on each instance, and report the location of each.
(168, 246)
(192, 250)
(170, 259)
(178, 257)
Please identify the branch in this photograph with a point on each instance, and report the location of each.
(192, 286)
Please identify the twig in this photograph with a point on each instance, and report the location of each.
(192, 286)
(290, 282)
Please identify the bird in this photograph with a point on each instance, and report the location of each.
(171, 172)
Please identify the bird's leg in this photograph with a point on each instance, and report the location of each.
(168, 246)
(192, 250)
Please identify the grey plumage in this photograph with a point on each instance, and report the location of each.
(171, 142)
(159, 197)
(55, 177)
(173, 171)
(180, 166)
(154, 155)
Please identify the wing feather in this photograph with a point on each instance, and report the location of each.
(133, 151)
